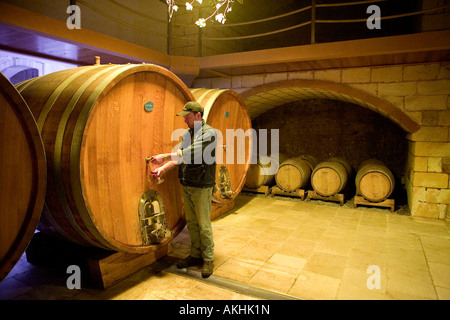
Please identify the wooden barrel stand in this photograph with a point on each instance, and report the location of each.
(99, 268)
(388, 203)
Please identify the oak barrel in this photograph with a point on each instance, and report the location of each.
(374, 181)
(22, 174)
(99, 123)
(330, 177)
(226, 111)
(263, 172)
(295, 173)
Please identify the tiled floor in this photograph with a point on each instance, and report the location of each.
(308, 250)
(318, 250)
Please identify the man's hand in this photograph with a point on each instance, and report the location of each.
(158, 159)
(158, 172)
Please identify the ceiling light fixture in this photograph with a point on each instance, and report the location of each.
(220, 9)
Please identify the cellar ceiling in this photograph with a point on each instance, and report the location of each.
(271, 35)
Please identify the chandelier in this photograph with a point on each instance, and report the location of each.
(220, 8)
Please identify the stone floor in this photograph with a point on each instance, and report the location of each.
(304, 250)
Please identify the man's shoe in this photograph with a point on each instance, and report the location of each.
(207, 269)
(189, 262)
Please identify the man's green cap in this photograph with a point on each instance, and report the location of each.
(191, 106)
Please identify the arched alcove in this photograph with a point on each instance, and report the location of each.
(268, 96)
(327, 119)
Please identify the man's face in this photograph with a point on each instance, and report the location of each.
(190, 119)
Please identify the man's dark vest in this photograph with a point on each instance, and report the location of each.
(201, 175)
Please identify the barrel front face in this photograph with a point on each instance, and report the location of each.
(375, 186)
(99, 123)
(288, 177)
(293, 174)
(226, 112)
(22, 176)
(329, 178)
(120, 132)
(374, 181)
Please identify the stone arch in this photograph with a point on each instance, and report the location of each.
(265, 97)
(18, 74)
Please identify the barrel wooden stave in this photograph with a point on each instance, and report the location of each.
(226, 110)
(22, 176)
(97, 134)
(374, 181)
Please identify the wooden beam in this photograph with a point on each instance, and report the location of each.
(42, 25)
(383, 46)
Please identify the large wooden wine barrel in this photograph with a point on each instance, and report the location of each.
(330, 177)
(295, 173)
(22, 176)
(263, 172)
(99, 123)
(374, 181)
(226, 111)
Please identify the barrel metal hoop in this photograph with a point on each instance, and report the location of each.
(55, 95)
(60, 190)
(75, 152)
(23, 85)
(40, 121)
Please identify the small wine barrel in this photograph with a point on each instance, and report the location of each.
(263, 172)
(226, 110)
(374, 181)
(98, 124)
(23, 174)
(295, 173)
(330, 177)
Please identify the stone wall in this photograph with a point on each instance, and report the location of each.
(420, 91)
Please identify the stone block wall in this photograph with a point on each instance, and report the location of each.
(421, 91)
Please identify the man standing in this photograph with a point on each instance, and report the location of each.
(196, 159)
